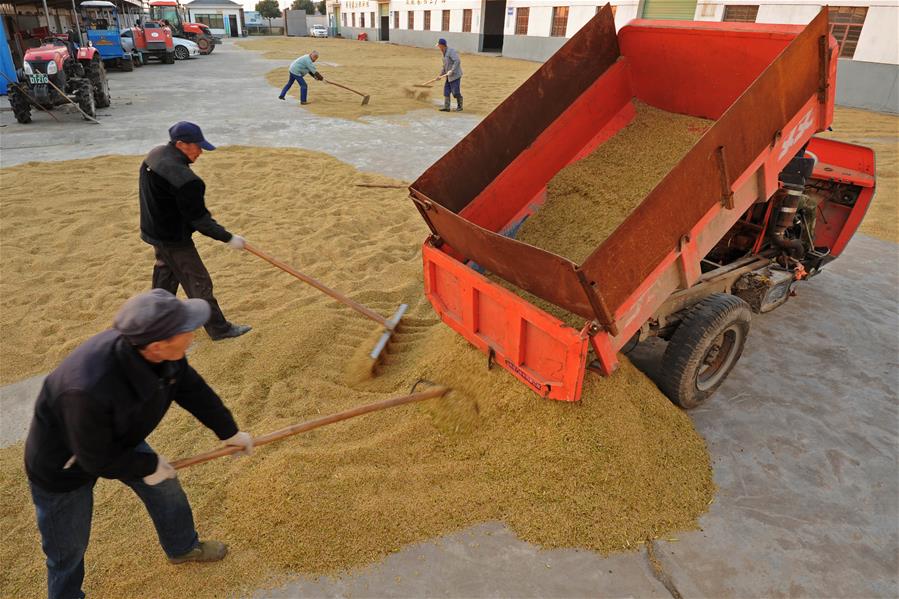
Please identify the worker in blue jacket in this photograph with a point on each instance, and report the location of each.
(302, 66)
(452, 69)
(91, 421)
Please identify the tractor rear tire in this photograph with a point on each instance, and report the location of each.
(97, 74)
(126, 64)
(85, 98)
(704, 349)
(20, 105)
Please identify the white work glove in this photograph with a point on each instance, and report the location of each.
(164, 471)
(243, 440)
(237, 242)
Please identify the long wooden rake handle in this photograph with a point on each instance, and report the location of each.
(367, 312)
(313, 424)
(349, 89)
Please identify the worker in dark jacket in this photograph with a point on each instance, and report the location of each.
(172, 207)
(90, 421)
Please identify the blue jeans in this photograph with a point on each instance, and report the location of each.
(64, 520)
(304, 87)
(454, 87)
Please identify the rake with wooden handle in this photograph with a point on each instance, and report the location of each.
(428, 83)
(313, 424)
(365, 97)
(389, 324)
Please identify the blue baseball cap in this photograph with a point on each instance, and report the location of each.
(441, 42)
(190, 133)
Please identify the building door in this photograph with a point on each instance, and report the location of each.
(494, 12)
(384, 14)
(677, 10)
(232, 20)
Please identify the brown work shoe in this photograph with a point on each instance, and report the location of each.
(206, 551)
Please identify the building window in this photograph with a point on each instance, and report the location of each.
(372, 16)
(344, 19)
(396, 19)
(354, 19)
(560, 21)
(444, 25)
(466, 20)
(362, 20)
(846, 25)
(427, 20)
(211, 21)
(740, 14)
(521, 21)
(410, 20)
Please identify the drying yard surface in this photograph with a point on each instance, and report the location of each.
(587, 200)
(388, 73)
(607, 473)
(880, 132)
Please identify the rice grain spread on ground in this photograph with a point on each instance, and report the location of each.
(621, 466)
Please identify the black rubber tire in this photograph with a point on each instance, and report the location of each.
(20, 105)
(137, 59)
(85, 99)
(126, 64)
(168, 58)
(704, 349)
(96, 72)
(181, 53)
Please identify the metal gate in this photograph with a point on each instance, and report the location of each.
(677, 10)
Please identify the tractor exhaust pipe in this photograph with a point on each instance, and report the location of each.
(786, 214)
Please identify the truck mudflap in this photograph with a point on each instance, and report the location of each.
(538, 349)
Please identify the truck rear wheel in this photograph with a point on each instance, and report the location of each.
(704, 349)
(20, 105)
(169, 58)
(126, 64)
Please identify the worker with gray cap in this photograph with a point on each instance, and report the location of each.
(91, 420)
(452, 70)
(172, 207)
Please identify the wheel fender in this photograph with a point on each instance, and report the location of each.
(87, 53)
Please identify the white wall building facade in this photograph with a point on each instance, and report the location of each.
(867, 30)
(223, 17)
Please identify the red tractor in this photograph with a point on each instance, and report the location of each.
(55, 73)
(171, 13)
(153, 39)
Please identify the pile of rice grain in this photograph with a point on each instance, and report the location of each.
(587, 200)
(606, 473)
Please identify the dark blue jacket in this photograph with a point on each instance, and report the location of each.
(100, 403)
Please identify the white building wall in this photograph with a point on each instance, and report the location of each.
(879, 41)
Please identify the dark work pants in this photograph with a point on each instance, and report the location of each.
(182, 265)
(64, 521)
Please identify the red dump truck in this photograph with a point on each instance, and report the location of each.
(725, 233)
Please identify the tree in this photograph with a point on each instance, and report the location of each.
(268, 9)
(306, 5)
(322, 9)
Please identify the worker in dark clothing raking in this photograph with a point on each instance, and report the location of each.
(172, 207)
(91, 420)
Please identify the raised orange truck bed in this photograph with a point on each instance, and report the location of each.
(711, 227)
